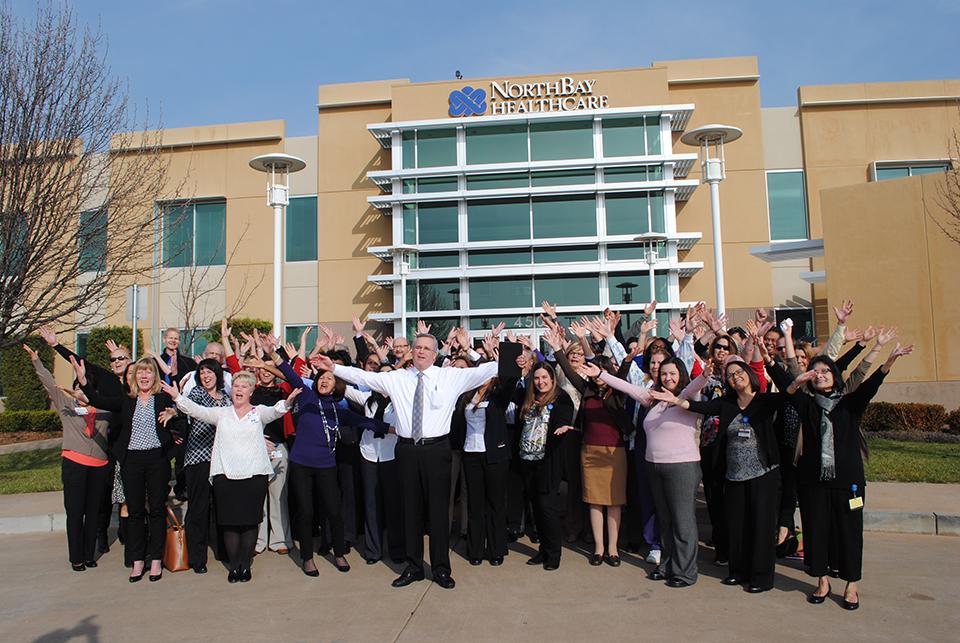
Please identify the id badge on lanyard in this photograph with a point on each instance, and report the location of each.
(744, 431)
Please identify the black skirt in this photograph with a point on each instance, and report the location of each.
(239, 502)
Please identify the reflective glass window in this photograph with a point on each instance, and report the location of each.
(437, 184)
(498, 257)
(439, 294)
(628, 174)
(627, 213)
(410, 223)
(569, 290)
(513, 292)
(620, 290)
(624, 136)
(498, 219)
(436, 147)
(786, 205)
(562, 177)
(439, 260)
(437, 222)
(496, 144)
(566, 216)
(498, 181)
(92, 240)
(301, 229)
(564, 255)
(566, 140)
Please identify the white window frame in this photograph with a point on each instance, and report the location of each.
(806, 203)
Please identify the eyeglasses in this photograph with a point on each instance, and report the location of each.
(736, 375)
(118, 358)
(824, 371)
(725, 347)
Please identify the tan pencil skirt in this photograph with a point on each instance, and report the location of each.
(604, 475)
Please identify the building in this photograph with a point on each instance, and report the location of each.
(469, 202)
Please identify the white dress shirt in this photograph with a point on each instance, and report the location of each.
(442, 388)
(476, 415)
(239, 450)
(374, 449)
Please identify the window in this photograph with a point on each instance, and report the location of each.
(567, 140)
(633, 174)
(498, 257)
(194, 234)
(410, 223)
(193, 342)
(436, 147)
(301, 229)
(437, 222)
(635, 136)
(634, 252)
(92, 240)
(635, 213)
(513, 292)
(786, 205)
(634, 287)
(81, 346)
(885, 171)
(439, 260)
(498, 181)
(499, 144)
(569, 290)
(802, 320)
(564, 255)
(563, 177)
(498, 219)
(567, 216)
(291, 333)
(439, 295)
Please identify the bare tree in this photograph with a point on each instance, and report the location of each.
(77, 188)
(948, 195)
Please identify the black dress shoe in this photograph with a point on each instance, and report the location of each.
(313, 573)
(551, 566)
(677, 582)
(536, 560)
(245, 575)
(613, 561)
(535, 539)
(445, 581)
(79, 567)
(496, 561)
(233, 576)
(596, 560)
(372, 561)
(512, 536)
(155, 577)
(756, 589)
(476, 561)
(731, 580)
(341, 564)
(199, 569)
(813, 599)
(847, 605)
(656, 575)
(408, 576)
(91, 563)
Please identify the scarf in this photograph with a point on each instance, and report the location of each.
(828, 466)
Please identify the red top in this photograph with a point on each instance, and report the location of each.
(599, 428)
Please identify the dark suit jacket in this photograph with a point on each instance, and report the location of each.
(548, 473)
(124, 406)
(496, 437)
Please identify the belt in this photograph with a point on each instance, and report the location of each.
(423, 441)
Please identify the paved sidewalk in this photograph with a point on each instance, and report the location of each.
(908, 593)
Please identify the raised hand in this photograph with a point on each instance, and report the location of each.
(664, 396)
(552, 337)
(690, 321)
(32, 353)
(496, 330)
(165, 368)
(886, 335)
(491, 346)
(601, 327)
(870, 332)
(649, 308)
(357, 326)
(423, 328)
(111, 345)
(649, 326)
(563, 429)
(166, 415)
(388, 342)
(852, 335)
(805, 377)
(578, 328)
(677, 329)
(549, 308)
(526, 340)
(293, 395)
(80, 368)
(463, 337)
(306, 371)
(338, 339)
(170, 390)
(901, 351)
(764, 327)
(292, 351)
(845, 310)
(302, 350)
(48, 335)
(549, 323)
(224, 330)
(322, 362)
(254, 362)
(761, 315)
(589, 370)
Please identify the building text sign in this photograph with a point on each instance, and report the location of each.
(565, 94)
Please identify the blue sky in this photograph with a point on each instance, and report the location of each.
(214, 61)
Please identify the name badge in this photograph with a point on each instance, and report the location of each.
(483, 405)
(856, 503)
(744, 431)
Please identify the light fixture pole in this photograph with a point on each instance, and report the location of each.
(711, 139)
(651, 253)
(279, 167)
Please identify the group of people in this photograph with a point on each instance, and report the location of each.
(600, 426)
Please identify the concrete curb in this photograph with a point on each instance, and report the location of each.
(35, 445)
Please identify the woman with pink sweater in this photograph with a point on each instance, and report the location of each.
(673, 465)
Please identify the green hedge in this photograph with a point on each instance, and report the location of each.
(953, 422)
(20, 383)
(238, 325)
(905, 416)
(98, 354)
(41, 421)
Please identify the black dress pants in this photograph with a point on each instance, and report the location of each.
(788, 489)
(351, 498)
(752, 511)
(425, 484)
(381, 491)
(82, 498)
(318, 493)
(713, 489)
(548, 510)
(828, 520)
(146, 475)
(197, 521)
(486, 506)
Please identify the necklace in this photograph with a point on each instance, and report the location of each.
(330, 425)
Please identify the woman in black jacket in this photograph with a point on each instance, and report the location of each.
(748, 438)
(545, 418)
(830, 477)
(479, 424)
(143, 450)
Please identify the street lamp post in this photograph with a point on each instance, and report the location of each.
(711, 139)
(627, 288)
(279, 167)
(651, 244)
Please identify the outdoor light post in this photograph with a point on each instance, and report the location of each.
(651, 244)
(627, 288)
(711, 139)
(279, 167)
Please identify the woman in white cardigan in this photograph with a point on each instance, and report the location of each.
(239, 465)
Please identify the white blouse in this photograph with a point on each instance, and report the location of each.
(374, 449)
(239, 450)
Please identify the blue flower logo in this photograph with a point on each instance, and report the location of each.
(468, 102)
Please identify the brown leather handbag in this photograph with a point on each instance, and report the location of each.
(175, 549)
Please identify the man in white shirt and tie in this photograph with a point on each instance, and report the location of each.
(423, 399)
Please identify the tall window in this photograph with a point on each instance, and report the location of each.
(301, 229)
(291, 333)
(81, 346)
(194, 234)
(786, 205)
(92, 240)
(429, 148)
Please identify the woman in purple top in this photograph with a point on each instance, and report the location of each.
(313, 462)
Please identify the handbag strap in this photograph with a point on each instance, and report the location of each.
(172, 518)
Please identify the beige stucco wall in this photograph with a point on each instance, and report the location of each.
(901, 272)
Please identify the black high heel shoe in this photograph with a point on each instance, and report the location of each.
(313, 573)
(596, 560)
(79, 567)
(137, 578)
(813, 599)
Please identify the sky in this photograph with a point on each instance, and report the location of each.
(200, 62)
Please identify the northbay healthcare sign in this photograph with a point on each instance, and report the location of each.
(566, 94)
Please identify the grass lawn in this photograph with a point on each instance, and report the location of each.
(30, 471)
(895, 461)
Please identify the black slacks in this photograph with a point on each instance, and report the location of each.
(828, 520)
(351, 498)
(146, 475)
(713, 493)
(381, 491)
(548, 510)
(788, 489)
(425, 485)
(486, 505)
(82, 499)
(752, 511)
(197, 521)
(317, 489)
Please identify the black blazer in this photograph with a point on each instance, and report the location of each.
(496, 437)
(124, 406)
(761, 413)
(548, 473)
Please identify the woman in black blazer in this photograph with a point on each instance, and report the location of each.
(545, 418)
(479, 425)
(143, 450)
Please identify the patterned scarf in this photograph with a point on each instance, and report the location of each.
(828, 465)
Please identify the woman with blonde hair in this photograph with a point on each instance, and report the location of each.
(143, 451)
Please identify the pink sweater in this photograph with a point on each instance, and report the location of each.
(671, 431)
